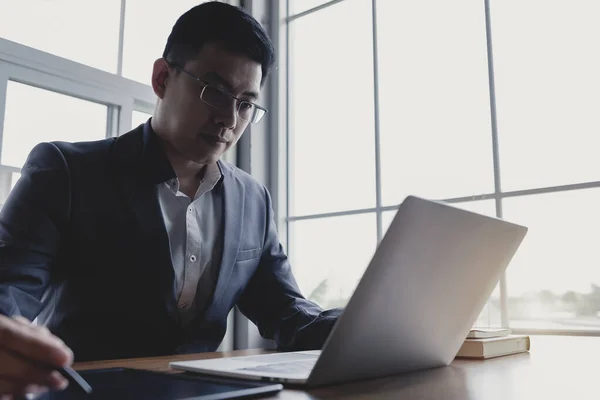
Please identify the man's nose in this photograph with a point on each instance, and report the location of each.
(227, 116)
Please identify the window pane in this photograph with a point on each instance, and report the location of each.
(8, 179)
(329, 256)
(491, 315)
(138, 118)
(547, 86)
(331, 109)
(554, 279)
(298, 6)
(147, 27)
(36, 115)
(15, 176)
(82, 31)
(485, 207)
(434, 99)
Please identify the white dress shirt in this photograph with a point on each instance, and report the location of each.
(194, 228)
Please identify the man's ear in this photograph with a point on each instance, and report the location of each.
(160, 74)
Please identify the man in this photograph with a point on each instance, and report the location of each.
(141, 245)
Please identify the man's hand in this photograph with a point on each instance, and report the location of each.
(27, 355)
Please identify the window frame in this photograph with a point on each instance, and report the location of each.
(280, 153)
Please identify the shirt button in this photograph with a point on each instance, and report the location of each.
(192, 258)
(182, 305)
(190, 209)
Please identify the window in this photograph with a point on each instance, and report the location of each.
(323, 109)
(554, 280)
(298, 6)
(434, 116)
(54, 83)
(82, 31)
(138, 118)
(332, 271)
(88, 32)
(547, 91)
(147, 27)
(57, 117)
(458, 102)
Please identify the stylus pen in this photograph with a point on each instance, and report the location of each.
(74, 378)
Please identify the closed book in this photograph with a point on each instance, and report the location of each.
(494, 347)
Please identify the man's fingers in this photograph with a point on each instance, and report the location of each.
(18, 390)
(9, 388)
(33, 344)
(14, 368)
(21, 319)
(28, 354)
(25, 322)
(15, 389)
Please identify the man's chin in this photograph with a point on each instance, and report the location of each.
(205, 158)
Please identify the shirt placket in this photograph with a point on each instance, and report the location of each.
(192, 258)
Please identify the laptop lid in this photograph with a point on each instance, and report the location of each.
(425, 286)
(423, 290)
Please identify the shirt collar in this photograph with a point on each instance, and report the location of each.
(212, 177)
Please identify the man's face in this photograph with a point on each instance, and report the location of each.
(196, 130)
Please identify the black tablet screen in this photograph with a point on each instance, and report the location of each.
(130, 384)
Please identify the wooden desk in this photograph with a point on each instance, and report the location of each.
(557, 367)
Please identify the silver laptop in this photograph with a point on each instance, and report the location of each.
(415, 304)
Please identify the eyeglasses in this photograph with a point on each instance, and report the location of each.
(216, 96)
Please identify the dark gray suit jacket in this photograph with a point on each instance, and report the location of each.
(83, 247)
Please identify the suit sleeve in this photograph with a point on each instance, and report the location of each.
(272, 300)
(31, 221)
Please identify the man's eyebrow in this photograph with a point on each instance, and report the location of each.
(214, 77)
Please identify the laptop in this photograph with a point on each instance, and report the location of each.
(420, 295)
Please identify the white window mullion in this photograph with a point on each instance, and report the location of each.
(121, 38)
(112, 121)
(125, 117)
(495, 153)
(378, 201)
(40, 63)
(61, 85)
(5, 173)
(3, 86)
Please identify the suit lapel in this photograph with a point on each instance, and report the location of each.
(137, 179)
(233, 213)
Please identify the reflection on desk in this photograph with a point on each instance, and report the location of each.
(557, 367)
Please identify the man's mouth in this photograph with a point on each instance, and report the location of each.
(212, 139)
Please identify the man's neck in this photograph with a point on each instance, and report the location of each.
(189, 173)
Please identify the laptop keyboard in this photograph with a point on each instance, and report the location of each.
(293, 367)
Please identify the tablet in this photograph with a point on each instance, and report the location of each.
(131, 384)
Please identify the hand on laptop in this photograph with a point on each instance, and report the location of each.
(25, 351)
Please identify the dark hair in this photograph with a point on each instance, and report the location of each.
(215, 22)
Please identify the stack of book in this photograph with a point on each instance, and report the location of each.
(489, 343)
